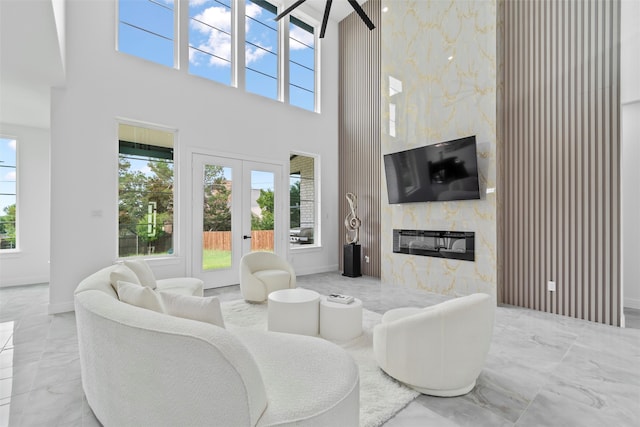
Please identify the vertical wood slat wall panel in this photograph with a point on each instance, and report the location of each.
(561, 142)
(360, 158)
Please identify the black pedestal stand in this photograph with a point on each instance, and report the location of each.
(351, 261)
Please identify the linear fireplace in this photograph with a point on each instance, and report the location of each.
(441, 244)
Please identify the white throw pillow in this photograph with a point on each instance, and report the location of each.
(143, 271)
(140, 296)
(203, 309)
(124, 274)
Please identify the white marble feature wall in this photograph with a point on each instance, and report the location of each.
(439, 83)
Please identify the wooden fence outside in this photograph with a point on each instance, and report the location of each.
(261, 240)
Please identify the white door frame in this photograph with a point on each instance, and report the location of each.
(241, 213)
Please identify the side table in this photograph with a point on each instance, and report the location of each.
(340, 322)
(295, 311)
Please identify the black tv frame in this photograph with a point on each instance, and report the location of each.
(428, 174)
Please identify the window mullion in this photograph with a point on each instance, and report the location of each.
(283, 63)
(181, 42)
(238, 38)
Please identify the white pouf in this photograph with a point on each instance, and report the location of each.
(340, 322)
(295, 311)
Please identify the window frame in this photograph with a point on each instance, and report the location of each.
(316, 59)
(279, 78)
(16, 248)
(176, 228)
(233, 10)
(317, 223)
(176, 35)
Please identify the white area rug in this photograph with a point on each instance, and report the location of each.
(381, 397)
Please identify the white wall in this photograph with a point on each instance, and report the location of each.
(30, 264)
(103, 85)
(630, 204)
(630, 97)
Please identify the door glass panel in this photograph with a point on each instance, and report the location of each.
(216, 218)
(233, 214)
(262, 211)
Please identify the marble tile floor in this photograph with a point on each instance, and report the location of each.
(542, 369)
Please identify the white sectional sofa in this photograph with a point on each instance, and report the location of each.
(144, 368)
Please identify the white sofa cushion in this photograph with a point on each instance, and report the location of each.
(181, 285)
(143, 271)
(122, 273)
(203, 309)
(140, 296)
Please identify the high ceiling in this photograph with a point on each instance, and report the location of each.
(30, 61)
(30, 56)
(340, 9)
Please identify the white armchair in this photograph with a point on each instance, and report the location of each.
(262, 273)
(439, 350)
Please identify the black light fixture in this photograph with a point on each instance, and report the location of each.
(327, 9)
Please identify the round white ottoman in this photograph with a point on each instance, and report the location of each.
(340, 322)
(295, 311)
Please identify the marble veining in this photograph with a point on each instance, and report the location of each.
(439, 72)
(542, 369)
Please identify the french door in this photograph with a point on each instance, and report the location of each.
(235, 211)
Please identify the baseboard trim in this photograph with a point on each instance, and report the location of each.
(316, 270)
(63, 307)
(632, 302)
(24, 281)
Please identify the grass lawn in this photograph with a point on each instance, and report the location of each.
(213, 259)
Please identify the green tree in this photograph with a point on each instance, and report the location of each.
(137, 191)
(265, 220)
(133, 203)
(8, 228)
(159, 187)
(217, 197)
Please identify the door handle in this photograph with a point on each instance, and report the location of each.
(246, 237)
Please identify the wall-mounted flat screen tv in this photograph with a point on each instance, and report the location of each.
(439, 172)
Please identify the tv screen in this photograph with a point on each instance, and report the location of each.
(439, 172)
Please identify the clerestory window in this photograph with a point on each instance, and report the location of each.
(210, 40)
(235, 49)
(146, 29)
(302, 61)
(261, 48)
